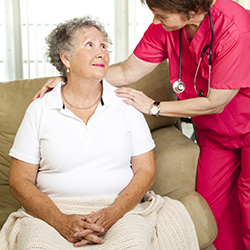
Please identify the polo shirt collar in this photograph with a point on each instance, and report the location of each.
(54, 99)
(108, 96)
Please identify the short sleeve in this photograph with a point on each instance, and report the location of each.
(152, 47)
(230, 68)
(142, 141)
(26, 143)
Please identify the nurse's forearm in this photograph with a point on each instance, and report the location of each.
(130, 71)
(214, 104)
(115, 76)
(189, 108)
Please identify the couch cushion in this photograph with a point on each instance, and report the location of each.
(14, 99)
(200, 213)
(176, 159)
(157, 86)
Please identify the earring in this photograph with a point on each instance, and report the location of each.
(67, 70)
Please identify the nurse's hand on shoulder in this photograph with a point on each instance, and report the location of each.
(48, 86)
(135, 98)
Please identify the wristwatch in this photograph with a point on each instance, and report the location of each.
(155, 109)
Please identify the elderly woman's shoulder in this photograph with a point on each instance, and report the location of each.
(38, 103)
(51, 99)
(110, 95)
(113, 99)
(109, 90)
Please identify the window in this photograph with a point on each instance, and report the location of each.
(36, 25)
(2, 42)
(30, 21)
(26, 23)
(140, 17)
(244, 3)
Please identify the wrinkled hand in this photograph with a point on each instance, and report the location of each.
(49, 85)
(135, 98)
(105, 218)
(71, 225)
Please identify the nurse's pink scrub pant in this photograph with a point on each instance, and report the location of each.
(224, 182)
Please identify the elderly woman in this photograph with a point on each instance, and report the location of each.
(207, 45)
(83, 160)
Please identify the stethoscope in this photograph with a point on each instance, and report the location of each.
(178, 85)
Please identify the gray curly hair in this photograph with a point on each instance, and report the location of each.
(63, 38)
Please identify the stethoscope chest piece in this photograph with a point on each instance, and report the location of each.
(178, 86)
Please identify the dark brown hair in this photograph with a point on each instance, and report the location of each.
(180, 6)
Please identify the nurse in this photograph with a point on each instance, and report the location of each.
(207, 45)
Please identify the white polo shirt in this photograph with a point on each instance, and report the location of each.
(80, 160)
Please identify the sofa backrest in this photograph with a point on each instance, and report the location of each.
(157, 86)
(15, 97)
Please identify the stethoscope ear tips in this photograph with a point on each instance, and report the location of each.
(178, 87)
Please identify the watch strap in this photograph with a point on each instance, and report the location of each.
(156, 103)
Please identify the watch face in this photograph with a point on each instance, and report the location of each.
(154, 110)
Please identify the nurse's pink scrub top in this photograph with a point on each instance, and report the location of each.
(230, 69)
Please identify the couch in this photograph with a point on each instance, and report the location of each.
(176, 155)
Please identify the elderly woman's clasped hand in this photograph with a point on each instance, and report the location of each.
(80, 229)
(100, 222)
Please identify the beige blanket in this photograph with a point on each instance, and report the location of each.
(158, 224)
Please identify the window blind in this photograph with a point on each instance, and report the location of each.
(26, 23)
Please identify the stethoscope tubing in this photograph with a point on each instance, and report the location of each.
(176, 85)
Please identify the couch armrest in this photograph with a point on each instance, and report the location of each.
(200, 213)
(8, 204)
(176, 160)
